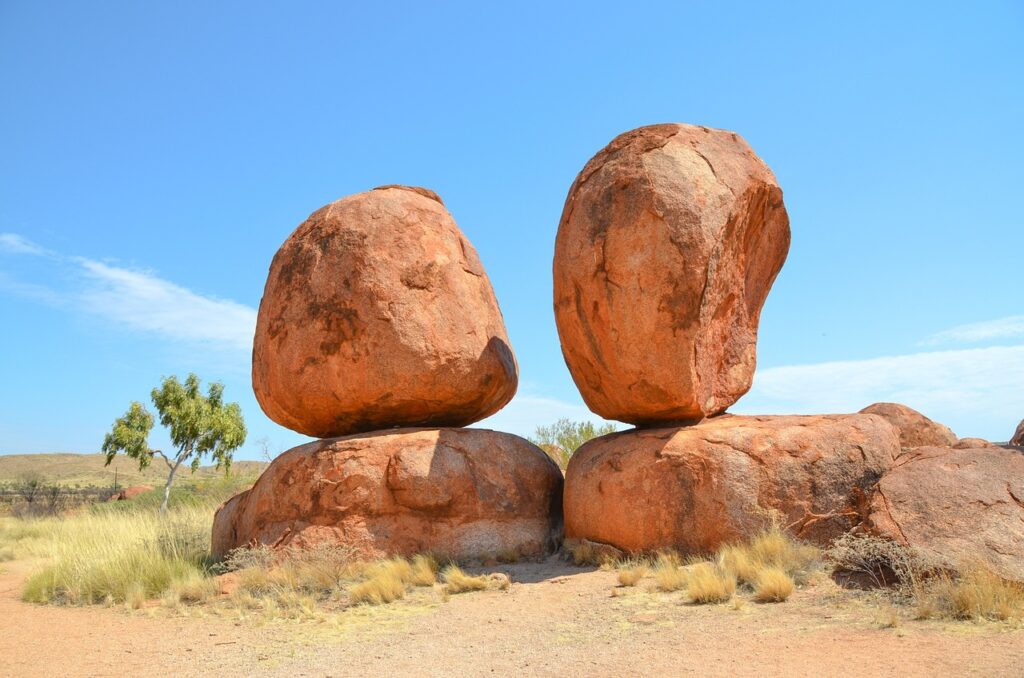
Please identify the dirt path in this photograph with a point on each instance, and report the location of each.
(555, 621)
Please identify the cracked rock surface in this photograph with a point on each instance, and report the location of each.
(957, 505)
(460, 493)
(377, 313)
(669, 242)
(693, 488)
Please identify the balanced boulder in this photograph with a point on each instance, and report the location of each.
(670, 239)
(694, 488)
(915, 429)
(958, 506)
(460, 493)
(377, 313)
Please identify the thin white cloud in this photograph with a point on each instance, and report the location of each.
(18, 244)
(976, 391)
(1011, 327)
(133, 299)
(145, 302)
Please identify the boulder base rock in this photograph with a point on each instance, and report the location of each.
(463, 493)
(694, 488)
(956, 505)
(377, 312)
(670, 239)
(915, 429)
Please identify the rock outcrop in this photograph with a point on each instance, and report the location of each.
(694, 488)
(1018, 435)
(670, 239)
(958, 506)
(377, 313)
(915, 429)
(972, 444)
(462, 493)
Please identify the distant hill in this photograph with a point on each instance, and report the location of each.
(84, 470)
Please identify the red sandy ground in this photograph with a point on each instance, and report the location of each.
(554, 621)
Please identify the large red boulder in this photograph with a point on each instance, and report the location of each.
(670, 239)
(463, 493)
(694, 488)
(958, 506)
(915, 429)
(377, 312)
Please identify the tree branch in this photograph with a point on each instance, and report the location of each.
(164, 456)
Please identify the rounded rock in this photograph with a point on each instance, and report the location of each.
(669, 242)
(376, 313)
(915, 429)
(694, 488)
(460, 493)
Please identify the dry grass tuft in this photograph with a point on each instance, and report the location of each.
(385, 586)
(631, 572)
(457, 581)
(772, 585)
(424, 571)
(708, 583)
(669, 572)
(977, 593)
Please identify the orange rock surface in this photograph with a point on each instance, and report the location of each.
(915, 429)
(377, 313)
(463, 493)
(669, 242)
(956, 505)
(694, 488)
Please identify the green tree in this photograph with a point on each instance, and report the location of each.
(198, 424)
(565, 436)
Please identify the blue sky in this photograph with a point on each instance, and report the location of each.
(153, 156)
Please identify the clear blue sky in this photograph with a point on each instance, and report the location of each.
(153, 156)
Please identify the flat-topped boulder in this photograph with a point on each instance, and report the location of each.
(693, 488)
(376, 313)
(669, 242)
(461, 493)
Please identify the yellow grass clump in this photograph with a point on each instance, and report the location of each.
(708, 583)
(976, 593)
(669, 573)
(457, 581)
(772, 585)
(111, 556)
(385, 586)
(631, 572)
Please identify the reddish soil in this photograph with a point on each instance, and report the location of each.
(554, 621)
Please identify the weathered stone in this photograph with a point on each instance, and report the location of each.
(464, 493)
(958, 506)
(377, 313)
(1018, 435)
(694, 488)
(670, 239)
(915, 429)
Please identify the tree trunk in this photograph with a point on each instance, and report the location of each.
(167, 487)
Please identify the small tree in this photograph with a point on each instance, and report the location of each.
(198, 424)
(565, 436)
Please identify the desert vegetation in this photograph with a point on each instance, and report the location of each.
(128, 554)
(562, 438)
